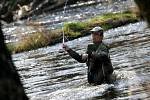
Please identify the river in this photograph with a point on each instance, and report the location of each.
(48, 21)
(51, 74)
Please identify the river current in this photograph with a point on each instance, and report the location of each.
(51, 74)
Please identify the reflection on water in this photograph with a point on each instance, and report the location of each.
(50, 74)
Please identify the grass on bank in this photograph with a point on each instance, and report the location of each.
(34, 41)
(72, 30)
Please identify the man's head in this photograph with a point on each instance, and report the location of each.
(97, 34)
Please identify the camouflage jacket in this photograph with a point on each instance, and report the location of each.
(98, 61)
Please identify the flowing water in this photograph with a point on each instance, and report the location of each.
(51, 74)
(56, 19)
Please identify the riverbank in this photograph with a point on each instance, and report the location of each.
(72, 31)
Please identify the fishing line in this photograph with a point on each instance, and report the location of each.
(63, 41)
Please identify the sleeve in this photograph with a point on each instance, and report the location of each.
(80, 58)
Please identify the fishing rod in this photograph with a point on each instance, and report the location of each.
(63, 41)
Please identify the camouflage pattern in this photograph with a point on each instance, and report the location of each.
(99, 65)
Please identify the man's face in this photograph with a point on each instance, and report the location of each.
(97, 38)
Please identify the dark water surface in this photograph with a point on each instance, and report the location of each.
(50, 74)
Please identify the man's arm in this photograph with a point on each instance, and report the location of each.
(80, 58)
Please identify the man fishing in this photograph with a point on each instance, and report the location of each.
(97, 58)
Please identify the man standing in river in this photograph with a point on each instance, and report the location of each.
(97, 58)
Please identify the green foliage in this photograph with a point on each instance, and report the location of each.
(75, 26)
(74, 29)
(107, 21)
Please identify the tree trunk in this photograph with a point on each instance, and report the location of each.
(144, 9)
(11, 87)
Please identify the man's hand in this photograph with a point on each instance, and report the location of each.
(84, 57)
(65, 47)
(92, 54)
